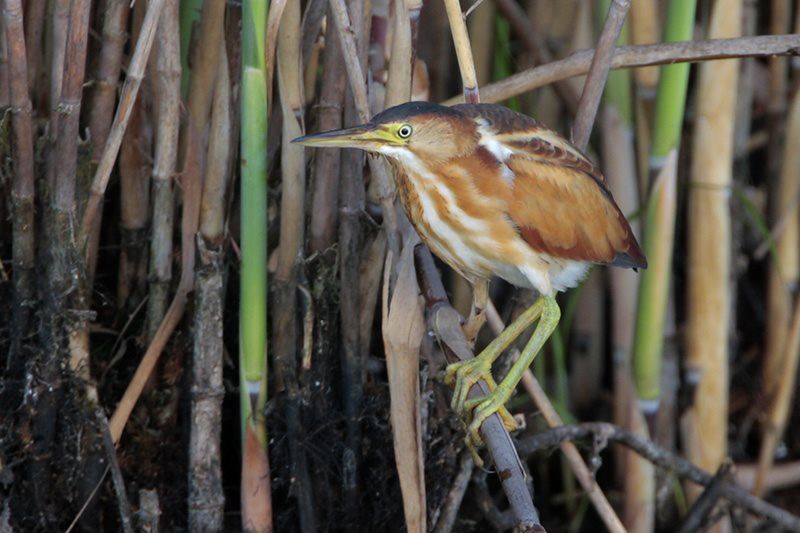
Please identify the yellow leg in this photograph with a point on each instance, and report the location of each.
(463, 375)
(482, 408)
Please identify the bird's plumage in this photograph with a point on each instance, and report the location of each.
(493, 192)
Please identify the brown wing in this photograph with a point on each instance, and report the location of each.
(562, 205)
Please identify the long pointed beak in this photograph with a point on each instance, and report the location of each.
(366, 137)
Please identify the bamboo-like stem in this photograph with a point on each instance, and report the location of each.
(103, 100)
(709, 234)
(189, 17)
(619, 161)
(782, 281)
(34, 28)
(353, 42)
(205, 63)
(356, 78)
(480, 24)
(598, 73)
(135, 168)
(22, 186)
(645, 30)
(206, 498)
(128, 96)
(638, 56)
(659, 225)
(167, 88)
(191, 188)
(325, 193)
(55, 52)
(466, 66)
(256, 492)
(290, 253)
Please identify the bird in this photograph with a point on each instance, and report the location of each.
(493, 192)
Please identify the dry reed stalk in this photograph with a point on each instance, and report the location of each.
(587, 342)
(352, 40)
(573, 456)
(103, 99)
(191, 188)
(167, 89)
(778, 366)
(403, 327)
(55, 51)
(325, 173)
(638, 56)
(466, 65)
(5, 97)
(205, 63)
(286, 330)
(598, 73)
(481, 30)
(355, 62)
(645, 30)
(22, 185)
(779, 477)
(62, 274)
(133, 80)
(135, 169)
(34, 29)
(784, 274)
(206, 500)
(709, 251)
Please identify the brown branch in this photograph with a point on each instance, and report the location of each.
(602, 432)
(447, 323)
(578, 63)
(598, 73)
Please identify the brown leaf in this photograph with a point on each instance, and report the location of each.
(403, 328)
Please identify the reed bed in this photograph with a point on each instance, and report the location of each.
(154, 207)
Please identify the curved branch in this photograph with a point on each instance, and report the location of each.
(603, 432)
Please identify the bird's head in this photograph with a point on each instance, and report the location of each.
(426, 130)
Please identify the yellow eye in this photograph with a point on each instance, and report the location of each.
(404, 132)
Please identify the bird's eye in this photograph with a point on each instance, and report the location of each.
(404, 132)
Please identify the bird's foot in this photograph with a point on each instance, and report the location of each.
(463, 375)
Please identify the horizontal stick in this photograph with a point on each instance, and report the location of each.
(603, 432)
(578, 63)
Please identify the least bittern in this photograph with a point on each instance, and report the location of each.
(493, 192)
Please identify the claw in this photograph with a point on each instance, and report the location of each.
(483, 408)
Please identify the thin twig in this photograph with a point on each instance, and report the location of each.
(578, 63)
(662, 458)
(598, 73)
(116, 475)
(455, 496)
(697, 517)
